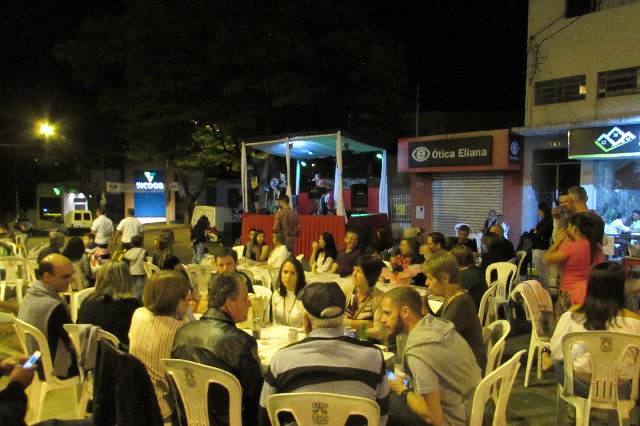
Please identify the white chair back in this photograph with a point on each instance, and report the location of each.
(506, 273)
(496, 334)
(103, 334)
(31, 339)
(300, 257)
(150, 269)
(21, 244)
(35, 251)
(239, 250)
(336, 408)
(500, 380)
(521, 255)
(484, 313)
(77, 297)
(199, 275)
(192, 381)
(14, 267)
(606, 350)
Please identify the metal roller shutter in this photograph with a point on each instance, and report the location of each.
(464, 198)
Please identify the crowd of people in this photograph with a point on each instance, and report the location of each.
(155, 317)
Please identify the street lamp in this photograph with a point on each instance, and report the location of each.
(47, 130)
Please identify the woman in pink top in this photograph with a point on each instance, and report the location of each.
(577, 251)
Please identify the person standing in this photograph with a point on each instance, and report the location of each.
(199, 238)
(540, 242)
(288, 222)
(102, 228)
(127, 228)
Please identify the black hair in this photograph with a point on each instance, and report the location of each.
(605, 296)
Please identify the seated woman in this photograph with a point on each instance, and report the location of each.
(75, 252)
(364, 306)
(471, 276)
(279, 253)
(408, 263)
(259, 249)
(113, 303)
(323, 253)
(285, 304)
(166, 300)
(603, 309)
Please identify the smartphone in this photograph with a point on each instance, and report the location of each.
(32, 360)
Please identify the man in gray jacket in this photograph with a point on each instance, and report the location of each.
(441, 369)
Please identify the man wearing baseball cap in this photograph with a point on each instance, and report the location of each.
(327, 361)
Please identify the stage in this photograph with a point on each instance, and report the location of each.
(314, 225)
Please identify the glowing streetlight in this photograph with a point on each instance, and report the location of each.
(47, 130)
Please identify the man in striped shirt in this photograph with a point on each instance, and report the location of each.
(327, 361)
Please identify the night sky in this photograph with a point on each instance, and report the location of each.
(464, 55)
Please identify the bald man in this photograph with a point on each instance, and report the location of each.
(43, 308)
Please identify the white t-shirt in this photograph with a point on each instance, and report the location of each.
(103, 228)
(129, 226)
(136, 256)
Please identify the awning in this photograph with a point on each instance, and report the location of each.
(308, 147)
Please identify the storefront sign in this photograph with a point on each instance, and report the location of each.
(474, 151)
(605, 142)
(149, 181)
(515, 149)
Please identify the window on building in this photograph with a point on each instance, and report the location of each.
(624, 81)
(560, 90)
(582, 7)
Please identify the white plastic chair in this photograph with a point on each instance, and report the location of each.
(38, 390)
(521, 255)
(500, 380)
(21, 244)
(495, 339)
(333, 408)
(265, 293)
(247, 273)
(77, 297)
(35, 251)
(192, 381)
(30, 267)
(300, 257)
(606, 350)
(535, 302)
(199, 275)
(485, 314)
(150, 269)
(506, 272)
(500, 300)
(239, 250)
(11, 265)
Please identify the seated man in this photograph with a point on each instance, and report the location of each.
(216, 341)
(327, 361)
(56, 242)
(346, 258)
(439, 382)
(463, 239)
(226, 263)
(435, 242)
(504, 244)
(43, 308)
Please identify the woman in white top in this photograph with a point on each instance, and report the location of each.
(323, 253)
(285, 304)
(279, 253)
(603, 309)
(166, 300)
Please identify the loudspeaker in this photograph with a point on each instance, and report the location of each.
(359, 195)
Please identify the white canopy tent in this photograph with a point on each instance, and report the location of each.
(316, 146)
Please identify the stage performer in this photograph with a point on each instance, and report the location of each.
(288, 222)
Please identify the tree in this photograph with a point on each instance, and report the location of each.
(167, 69)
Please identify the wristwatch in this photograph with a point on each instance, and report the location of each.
(403, 395)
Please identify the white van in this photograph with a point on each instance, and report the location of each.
(217, 216)
(77, 222)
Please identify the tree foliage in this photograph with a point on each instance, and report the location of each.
(188, 79)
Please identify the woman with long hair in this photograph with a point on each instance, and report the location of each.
(75, 252)
(576, 250)
(285, 304)
(199, 238)
(603, 309)
(113, 303)
(323, 253)
(259, 248)
(166, 300)
(540, 242)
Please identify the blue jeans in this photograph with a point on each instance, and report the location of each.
(138, 282)
(581, 388)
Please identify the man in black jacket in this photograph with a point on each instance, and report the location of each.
(216, 341)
